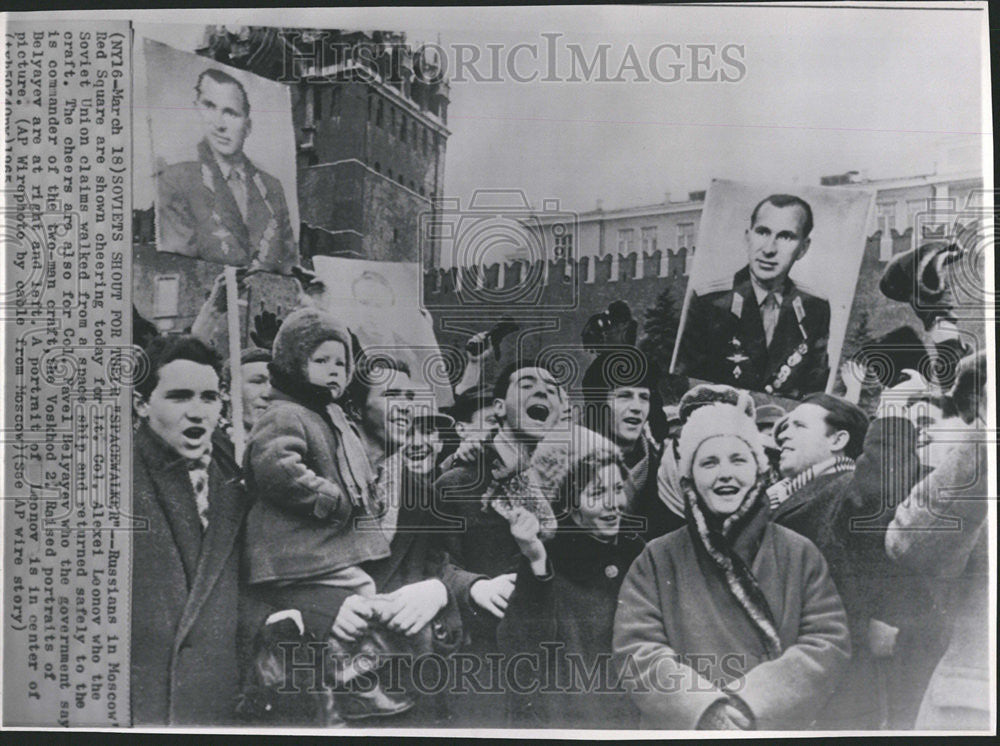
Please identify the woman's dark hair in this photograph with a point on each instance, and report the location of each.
(165, 349)
(580, 474)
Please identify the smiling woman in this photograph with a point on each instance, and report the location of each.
(739, 614)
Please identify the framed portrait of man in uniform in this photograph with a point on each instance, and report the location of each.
(223, 162)
(771, 288)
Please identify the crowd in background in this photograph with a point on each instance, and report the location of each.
(714, 562)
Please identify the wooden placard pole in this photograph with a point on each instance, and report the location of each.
(235, 373)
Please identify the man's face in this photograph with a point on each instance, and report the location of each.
(225, 123)
(806, 439)
(629, 412)
(421, 449)
(936, 434)
(483, 423)
(256, 390)
(185, 406)
(533, 404)
(389, 410)
(775, 242)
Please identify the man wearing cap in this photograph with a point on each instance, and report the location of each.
(760, 330)
(221, 207)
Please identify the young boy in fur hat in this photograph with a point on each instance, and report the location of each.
(315, 519)
(566, 594)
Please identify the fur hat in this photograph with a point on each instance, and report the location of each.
(714, 420)
(255, 355)
(300, 334)
(710, 393)
(558, 451)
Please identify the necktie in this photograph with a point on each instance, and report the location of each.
(198, 474)
(238, 187)
(769, 315)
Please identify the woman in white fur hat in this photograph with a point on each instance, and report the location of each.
(734, 622)
(561, 612)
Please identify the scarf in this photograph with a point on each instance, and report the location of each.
(638, 473)
(197, 469)
(731, 543)
(780, 491)
(512, 486)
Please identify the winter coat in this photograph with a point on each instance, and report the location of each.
(302, 523)
(872, 586)
(940, 532)
(185, 594)
(686, 637)
(572, 606)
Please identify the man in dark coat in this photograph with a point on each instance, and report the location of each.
(221, 207)
(760, 330)
(820, 441)
(185, 594)
(529, 404)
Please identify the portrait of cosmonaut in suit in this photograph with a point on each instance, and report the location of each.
(219, 204)
(759, 327)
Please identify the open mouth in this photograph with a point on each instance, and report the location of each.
(538, 412)
(633, 421)
(726, 490)
(194, 433)
(417, 453)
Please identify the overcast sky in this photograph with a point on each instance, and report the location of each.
(825, 90)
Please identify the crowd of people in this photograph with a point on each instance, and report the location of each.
(534, 556)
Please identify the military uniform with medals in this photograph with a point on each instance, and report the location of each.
(724, 338)
(229, 214)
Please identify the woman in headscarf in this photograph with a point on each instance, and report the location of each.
(733, 623)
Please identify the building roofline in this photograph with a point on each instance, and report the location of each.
(668, 208)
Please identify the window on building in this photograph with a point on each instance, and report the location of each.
(166, 295)
(886, 224)
(402, 126)
(378, 167)
(334, 95)
(378, 114)
(886, 217)
(318, 102)
(424, 136)
(563, 242)
(685, 236)
(626, 241)
(392, 119)
(649, 239)
(369, 107)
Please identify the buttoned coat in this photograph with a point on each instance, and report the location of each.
(185, 588)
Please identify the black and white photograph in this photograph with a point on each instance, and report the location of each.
(775, 323)
(223, 153)
(551, 372)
